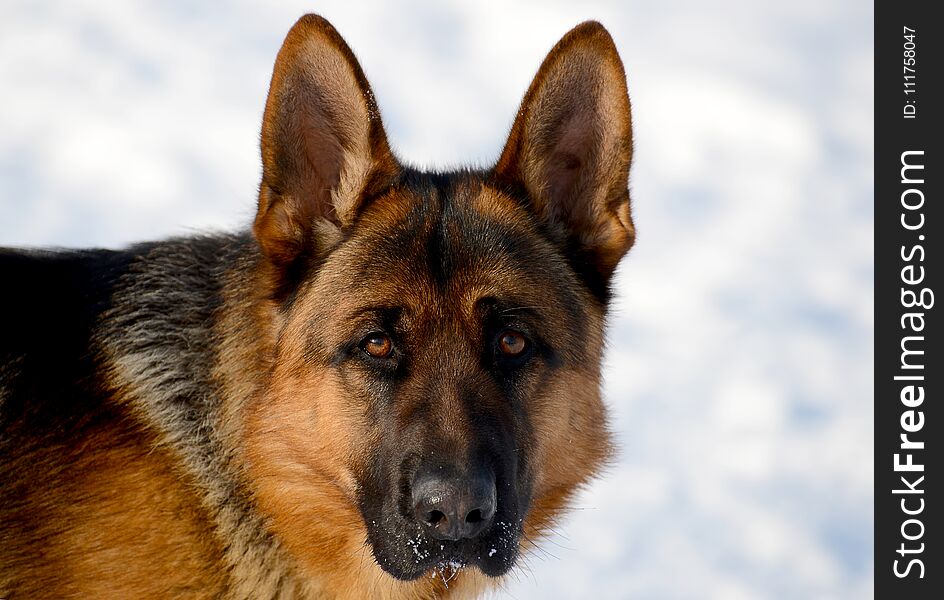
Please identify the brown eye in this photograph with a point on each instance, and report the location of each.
(512, 343)
(377, 345)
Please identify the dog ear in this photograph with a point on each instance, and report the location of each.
(323, 144)
(571, 145)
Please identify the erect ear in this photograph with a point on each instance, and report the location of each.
(571, 146)
(323, 145)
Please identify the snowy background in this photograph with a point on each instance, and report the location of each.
(740, 357)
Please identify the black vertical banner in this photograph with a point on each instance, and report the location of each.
(909, 375)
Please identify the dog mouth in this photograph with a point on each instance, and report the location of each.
(409, 556)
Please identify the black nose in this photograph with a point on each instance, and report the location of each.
(452, 508)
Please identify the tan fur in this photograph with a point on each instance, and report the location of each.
(125, 522)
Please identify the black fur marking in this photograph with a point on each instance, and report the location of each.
(48, 363)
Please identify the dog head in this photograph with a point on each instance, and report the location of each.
(434, 387)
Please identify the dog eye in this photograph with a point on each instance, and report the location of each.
(512, 343)
(378, 345)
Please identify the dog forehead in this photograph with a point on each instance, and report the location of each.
(444, 235)
(435, 246)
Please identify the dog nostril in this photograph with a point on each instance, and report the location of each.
(434, 517)
(474, 517)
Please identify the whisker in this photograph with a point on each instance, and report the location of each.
(516, 308)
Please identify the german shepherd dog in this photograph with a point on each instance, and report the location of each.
(388, 388)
